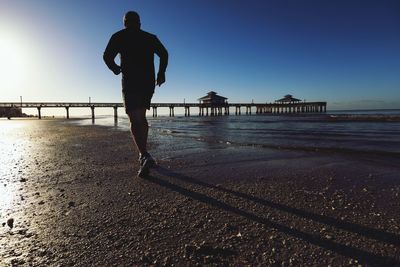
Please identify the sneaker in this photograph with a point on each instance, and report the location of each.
(147, 159)
(141, 159)
(143, 172)
(146, 162)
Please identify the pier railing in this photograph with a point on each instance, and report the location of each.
(203, 109)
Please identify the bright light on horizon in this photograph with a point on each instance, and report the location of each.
(14, 62)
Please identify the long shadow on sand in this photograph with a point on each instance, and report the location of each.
(351, 252)
(348, 226)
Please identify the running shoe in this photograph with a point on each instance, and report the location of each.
(146, 162)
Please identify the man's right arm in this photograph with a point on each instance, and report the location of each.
(163, 55)
(109, 55)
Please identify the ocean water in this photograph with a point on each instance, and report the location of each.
(361, 131)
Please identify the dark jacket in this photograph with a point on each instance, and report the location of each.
(136, 49)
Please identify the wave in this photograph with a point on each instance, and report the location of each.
(367, 118)
(299, 148)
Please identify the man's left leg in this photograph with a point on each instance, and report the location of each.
(140, 129)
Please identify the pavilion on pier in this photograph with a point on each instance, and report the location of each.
(213, 99)
(287, 99)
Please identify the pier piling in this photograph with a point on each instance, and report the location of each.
(187, 111)
(39, 113)
(171, 111)
(92, 108)
(115, 113)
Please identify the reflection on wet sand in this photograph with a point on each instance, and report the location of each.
(15, 146)
(12, 149)
(6, 197)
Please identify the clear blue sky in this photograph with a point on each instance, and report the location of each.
(345, 52)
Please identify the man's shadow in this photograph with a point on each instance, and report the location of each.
(347, 251)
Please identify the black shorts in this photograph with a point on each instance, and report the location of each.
(136, 100)
(137, 90)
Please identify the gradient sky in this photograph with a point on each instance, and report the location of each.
(345, 52)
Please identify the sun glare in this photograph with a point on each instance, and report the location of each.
(13, 63)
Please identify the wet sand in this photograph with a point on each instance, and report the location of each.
(75, 200)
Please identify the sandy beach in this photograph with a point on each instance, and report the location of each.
(70, 197)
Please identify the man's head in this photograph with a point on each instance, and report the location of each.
(132, 20)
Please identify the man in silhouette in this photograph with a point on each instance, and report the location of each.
(136, 49)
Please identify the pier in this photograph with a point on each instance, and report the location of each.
(204, 109)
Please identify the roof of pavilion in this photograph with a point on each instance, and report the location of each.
(212, 95)
(288, 98)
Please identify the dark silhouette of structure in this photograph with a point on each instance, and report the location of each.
(213, 99)
(11, 111)
(204, 109)
(288, 99)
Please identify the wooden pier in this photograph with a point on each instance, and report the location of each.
(203, 109)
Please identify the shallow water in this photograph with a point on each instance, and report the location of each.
(369, 131)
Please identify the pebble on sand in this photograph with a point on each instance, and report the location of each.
(10, 222)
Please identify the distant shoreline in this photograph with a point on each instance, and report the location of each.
(338, 115)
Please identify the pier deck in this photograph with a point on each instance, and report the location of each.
(203, 109)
